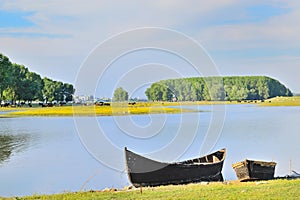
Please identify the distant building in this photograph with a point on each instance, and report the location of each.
(88, 99)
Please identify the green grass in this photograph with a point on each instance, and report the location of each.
(275, 189)
(282, 101)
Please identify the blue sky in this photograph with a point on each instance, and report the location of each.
(242, 37)
(14, 19)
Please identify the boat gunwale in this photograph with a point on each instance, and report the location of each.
(184, 162)
(262, 163)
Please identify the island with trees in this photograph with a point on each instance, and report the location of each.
(231, 88)
(18, 84)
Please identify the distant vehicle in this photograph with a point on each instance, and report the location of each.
(146, 172)
(102, 103)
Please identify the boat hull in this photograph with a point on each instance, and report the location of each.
(146, 172)
(254, 170)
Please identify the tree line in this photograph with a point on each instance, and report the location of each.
(217, 88)
(17, 83)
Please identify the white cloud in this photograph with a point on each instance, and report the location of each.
(88, 23)
(278, 31)
(84, 24)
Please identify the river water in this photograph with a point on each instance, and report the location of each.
(44, 155)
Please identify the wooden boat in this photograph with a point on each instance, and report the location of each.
(248, 170)
(146, 172)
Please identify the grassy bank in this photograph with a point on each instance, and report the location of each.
(282, 101)
(275, 189)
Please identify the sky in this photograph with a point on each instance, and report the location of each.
(57, 38)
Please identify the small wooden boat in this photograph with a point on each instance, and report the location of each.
(248, 170)
(146, 172)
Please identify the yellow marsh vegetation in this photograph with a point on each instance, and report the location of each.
(114, 109)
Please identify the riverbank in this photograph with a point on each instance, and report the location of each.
(276, 101)
(79, 110)
(274, 189)
(115, 109)
(282, 101)
(137, 108)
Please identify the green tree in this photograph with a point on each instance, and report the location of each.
(159, 92)
(34, 87)
(5, 74)
(120, 94)
(68, 91)
(48, 89)
(215, 88)
(58, 91)
(17, 83)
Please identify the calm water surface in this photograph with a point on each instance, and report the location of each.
(45, 155)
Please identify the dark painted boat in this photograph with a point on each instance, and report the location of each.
(146, 172)
(248, 170)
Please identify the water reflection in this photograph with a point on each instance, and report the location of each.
(12, 144)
